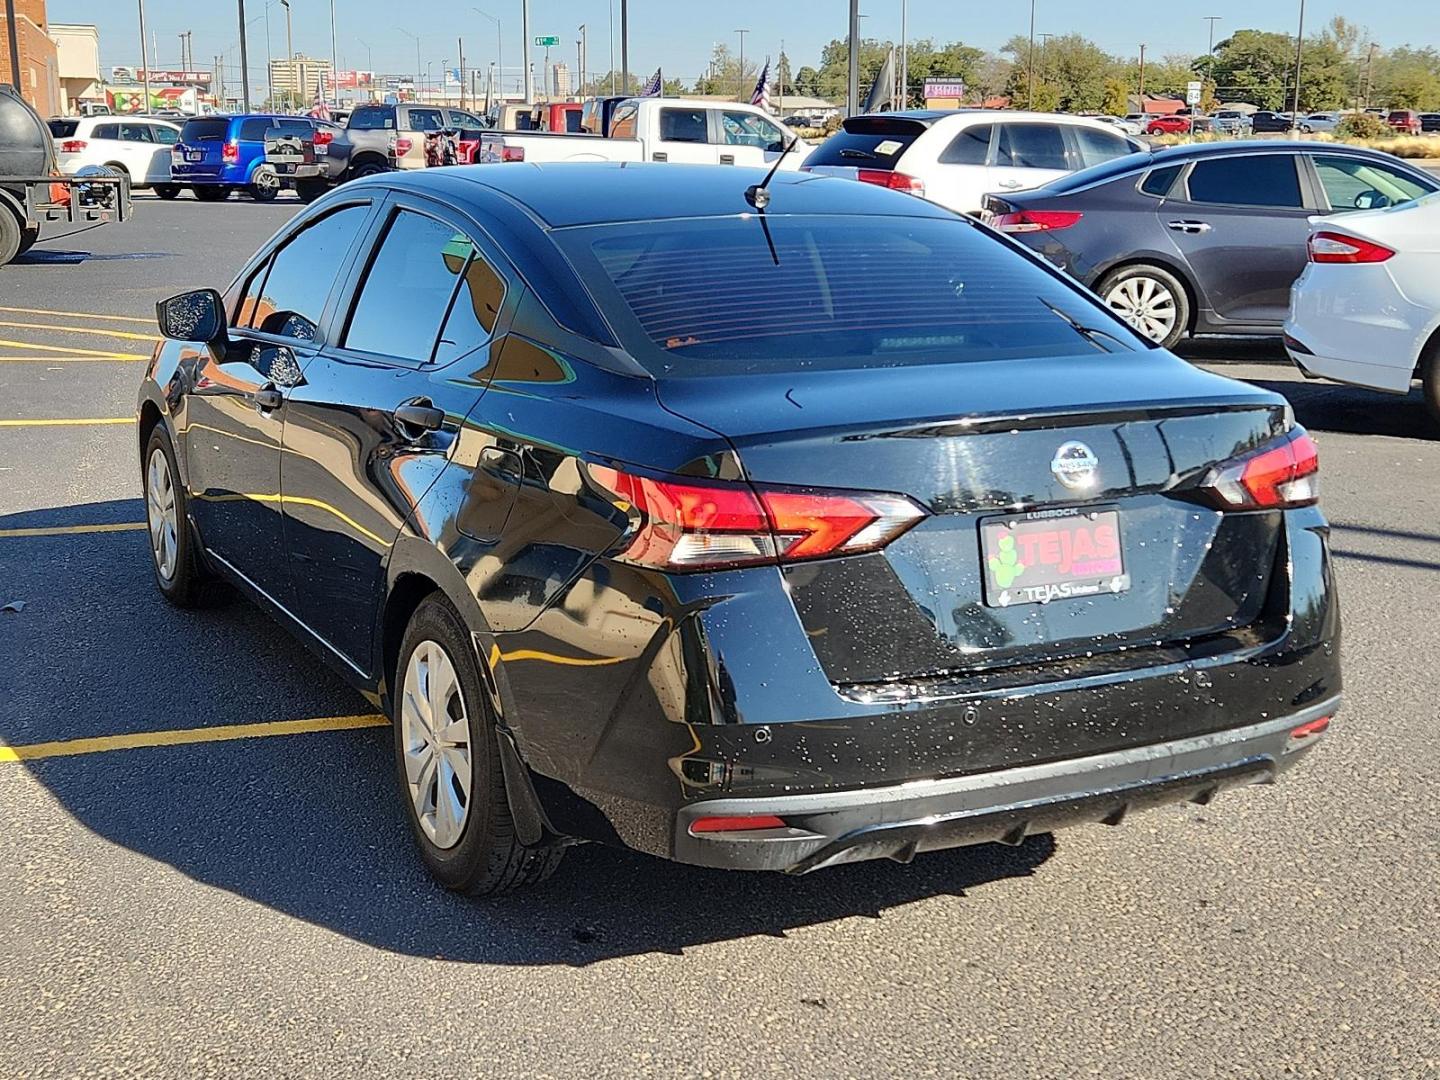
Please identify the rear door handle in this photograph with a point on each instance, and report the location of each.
(419, 415)
(727, 159)
(1193, 228)
(267, 398)
(1010, 185)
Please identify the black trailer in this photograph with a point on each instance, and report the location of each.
(33, 193)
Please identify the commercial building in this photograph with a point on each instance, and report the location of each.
(297, 79)
(559, 80)
(39, 64)
(77, 49)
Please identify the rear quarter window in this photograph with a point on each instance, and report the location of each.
(254, 129)
(63, 129)
(868, 143)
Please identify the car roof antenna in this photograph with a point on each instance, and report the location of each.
(756, 194)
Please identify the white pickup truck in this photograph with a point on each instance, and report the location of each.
(659, 129)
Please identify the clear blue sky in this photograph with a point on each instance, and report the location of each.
(679, 34)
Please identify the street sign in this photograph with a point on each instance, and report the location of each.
(549, 41)
(1192, 93)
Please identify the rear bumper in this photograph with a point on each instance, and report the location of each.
(1355, 325)
(831, 828)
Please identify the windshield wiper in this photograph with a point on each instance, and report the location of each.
(849, 152)
(1091, 334)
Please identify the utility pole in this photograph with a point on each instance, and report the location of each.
(499, 52)
(460, 45)
(1212, 20)
(780, 65)
(219, 83)
(580, 59)
(12, 32)
(244, 65)
(144, 57)
(741, 92)
(852, 80)
(1030, 66)
(904, 54)
(289, 60)
(525, 38)
(625, 45)
(612, 46)
(1142, 76)
(1044, 54)
(334, 59)
(1299, 52)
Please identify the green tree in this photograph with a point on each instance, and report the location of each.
(807, 81)
(1254, 66)
(1070, 73)
(1117, 97)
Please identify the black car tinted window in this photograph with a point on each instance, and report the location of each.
(287, 295)
(473, 312)
(1160, 181)
(303, 128)
(709, 297)
(1247, 180)
(372, 119)
(868, 142)
(1031, 146)
(254, 129)
(408, 288)
(63, 129)
(208, 130)
(970, 147)
(425, 119)
(683, 125)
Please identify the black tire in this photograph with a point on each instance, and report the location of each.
(1430, 378)
(265, 184)
(167, 191)
(186, 583)
(11, 235)
(1113, 288)
(488, 858)
(366, 168)
(211, 193)
(28, 238)
(311, 189)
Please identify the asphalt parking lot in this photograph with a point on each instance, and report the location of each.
(177, 900)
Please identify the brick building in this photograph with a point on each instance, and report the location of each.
(39, 64)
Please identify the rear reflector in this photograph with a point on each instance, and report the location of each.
(1029, 221)
(681, 524)
(895, 181)
(1330, 247)
(1278, 476)
(736, 824)
(1306, 733)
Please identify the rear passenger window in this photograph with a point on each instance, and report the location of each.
(426, 120)
(167, 135)
(105, 131)
(970, 147)
(408, 289)
(622, 124)
(1159, 181)
(287, 294)
(372, 120)
(1097, 147)
(683, 125)
(1032, 146)
(136, 133)
(1251, 180)
(254, 129)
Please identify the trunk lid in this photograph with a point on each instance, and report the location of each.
(977, 445)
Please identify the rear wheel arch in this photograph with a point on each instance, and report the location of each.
(405, 596)
(1160, 262)
(1428, 371)
(150, 418)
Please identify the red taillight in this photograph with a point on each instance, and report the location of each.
(403, 147)
(512, 153)
(324, 138)
(1331, 247)
(895, 181)
(1279, 476)
(72, 146)
(1028, 221)
(231, 153)
(680, 524)
(736, 824)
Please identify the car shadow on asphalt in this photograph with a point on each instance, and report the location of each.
(311, 825)
(1352, 411)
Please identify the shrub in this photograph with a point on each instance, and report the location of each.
(1363, 126)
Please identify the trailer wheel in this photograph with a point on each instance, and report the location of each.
(28, 236)
(11, 235)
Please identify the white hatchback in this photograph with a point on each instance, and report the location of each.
(137, 146)
(957, 157)
(1366, 311)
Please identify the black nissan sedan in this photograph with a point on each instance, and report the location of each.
(1203, 239)
(756, 527)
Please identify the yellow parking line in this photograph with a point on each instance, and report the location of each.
(100, 330)
(86, 422)
(185, 736)
(78, 315)
(103, 358)
(74, 530)
(103, 354)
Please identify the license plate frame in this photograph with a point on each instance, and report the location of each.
(194, 155)
(1069, 554)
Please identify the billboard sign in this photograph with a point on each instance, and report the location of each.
(945, 88)
(354, 80)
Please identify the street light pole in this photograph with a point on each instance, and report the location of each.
(581, 60)
(289, 60)
(144, 56)
(904, 55)
(525, 40)
(499, 52)
(625, 45)
(852, 77)
(12, 32)
(1030, 65)
(741, 92)
(334, 58)
(418, 71)
(1299, 52)
(244, 64)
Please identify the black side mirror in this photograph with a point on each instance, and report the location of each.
(193, 316)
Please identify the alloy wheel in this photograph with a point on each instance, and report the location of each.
(161, 514)
(1146, 304)
(435, 731)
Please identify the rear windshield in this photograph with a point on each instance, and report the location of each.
(1106, 170)
(63, 129)
(204, 130)
(868, 142)
(372, 119)
(710, 297)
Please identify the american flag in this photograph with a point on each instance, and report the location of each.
(654, 86)
(761, 95)
(320, 110)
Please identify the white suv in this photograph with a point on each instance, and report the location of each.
(955, 158)
(137, 146)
